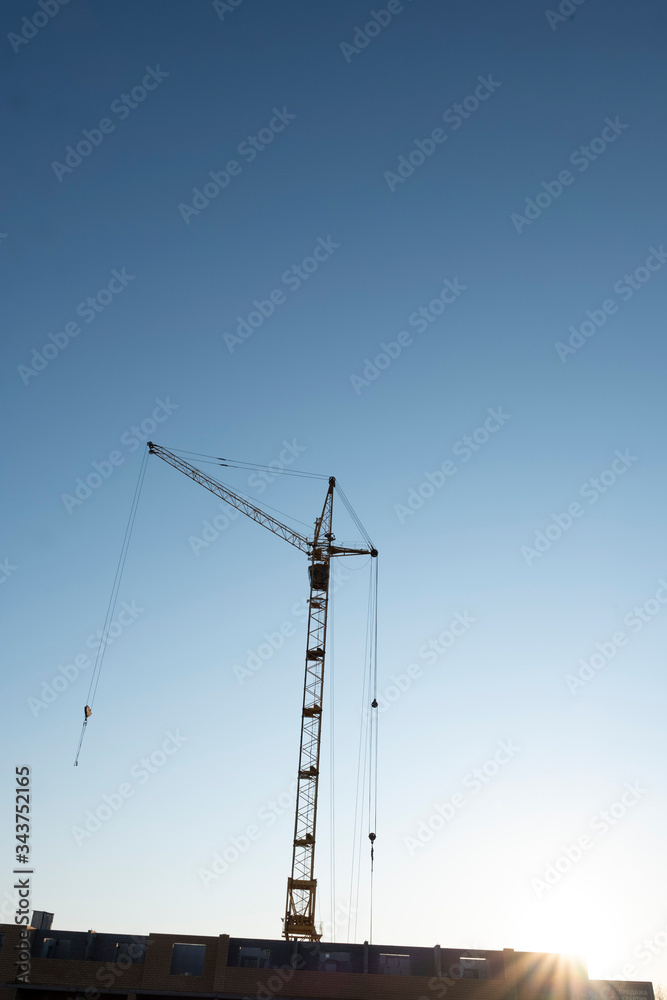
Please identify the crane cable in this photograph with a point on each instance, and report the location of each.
(232, 463)
(267, 506)
(210, 460)
(111, 607)
(367, 757)
(373, 741)
(353, 514)
(332, 731)
(370, 740)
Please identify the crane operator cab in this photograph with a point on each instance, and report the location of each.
(319, 575)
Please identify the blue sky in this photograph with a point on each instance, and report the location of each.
(426, 212)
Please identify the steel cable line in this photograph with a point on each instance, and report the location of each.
(353, 514)
(373, 749)
(111, 607)
(249, 466)
(364, 746)
(332, 806)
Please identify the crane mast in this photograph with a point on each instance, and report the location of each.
(302, 885)
(299, 919)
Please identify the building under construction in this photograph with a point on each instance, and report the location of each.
(84, 965)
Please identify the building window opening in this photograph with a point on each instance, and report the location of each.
(187, 959)
(474, 967)
(395, 965)
(335, 961)
(254, 958)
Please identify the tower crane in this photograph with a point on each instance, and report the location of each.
(299, 920)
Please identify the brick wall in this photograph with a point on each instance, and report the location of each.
(517, 976)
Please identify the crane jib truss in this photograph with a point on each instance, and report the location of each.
(299, 920)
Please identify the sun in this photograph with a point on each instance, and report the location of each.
(578, 923)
